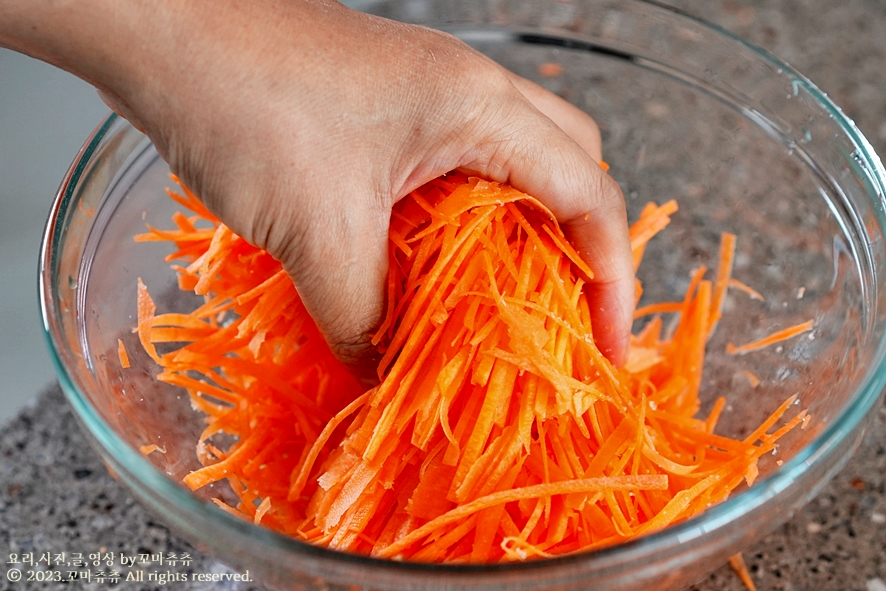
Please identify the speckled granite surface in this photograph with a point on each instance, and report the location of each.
(56, 497)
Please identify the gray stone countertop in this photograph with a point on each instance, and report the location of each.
(56, 496)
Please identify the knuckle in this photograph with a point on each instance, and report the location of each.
(611, 200)
(352, 349)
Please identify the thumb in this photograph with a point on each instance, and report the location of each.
(337, 259)
(535, 156)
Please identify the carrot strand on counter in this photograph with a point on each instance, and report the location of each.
(736, 561)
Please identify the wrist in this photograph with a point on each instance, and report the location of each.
(114, 45)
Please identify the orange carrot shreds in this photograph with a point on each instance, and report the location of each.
(587, 485)
(736, 561)
(146, 309)
(653, 219)
(659, 308)
(776, 337)
(724, 274)
(714, 415)
(122, 354)
(260, 511)
(760, 431)
(498, 431)
(151, 448)
(751, 377)
(752, 293)
(550, 69)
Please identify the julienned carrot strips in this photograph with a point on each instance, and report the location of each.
(498, 431)
(122, 354)
(736, 561)
(771, 339)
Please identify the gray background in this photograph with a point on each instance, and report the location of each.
(45, 115)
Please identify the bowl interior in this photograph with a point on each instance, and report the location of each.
(741, 142)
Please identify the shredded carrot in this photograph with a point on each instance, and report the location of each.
(122, 354)
(776, 337)
(498, 431)
(659, 308)
(151, 448)
(736, 561)
(260, 511)
(752, 293)
(724, 273)
(550, 69)
(751, 377)
(146, 309)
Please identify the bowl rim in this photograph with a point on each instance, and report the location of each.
(145, 473)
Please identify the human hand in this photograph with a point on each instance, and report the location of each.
(300, 124)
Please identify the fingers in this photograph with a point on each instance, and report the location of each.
(337, 259)
(593, 232)
(577, 124)
(537, 157)
(590, 207)
(612, 292)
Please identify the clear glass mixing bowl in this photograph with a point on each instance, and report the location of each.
(742, 142)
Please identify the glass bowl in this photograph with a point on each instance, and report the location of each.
(744, 144)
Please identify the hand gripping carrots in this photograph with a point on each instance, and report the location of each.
(498, 431)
